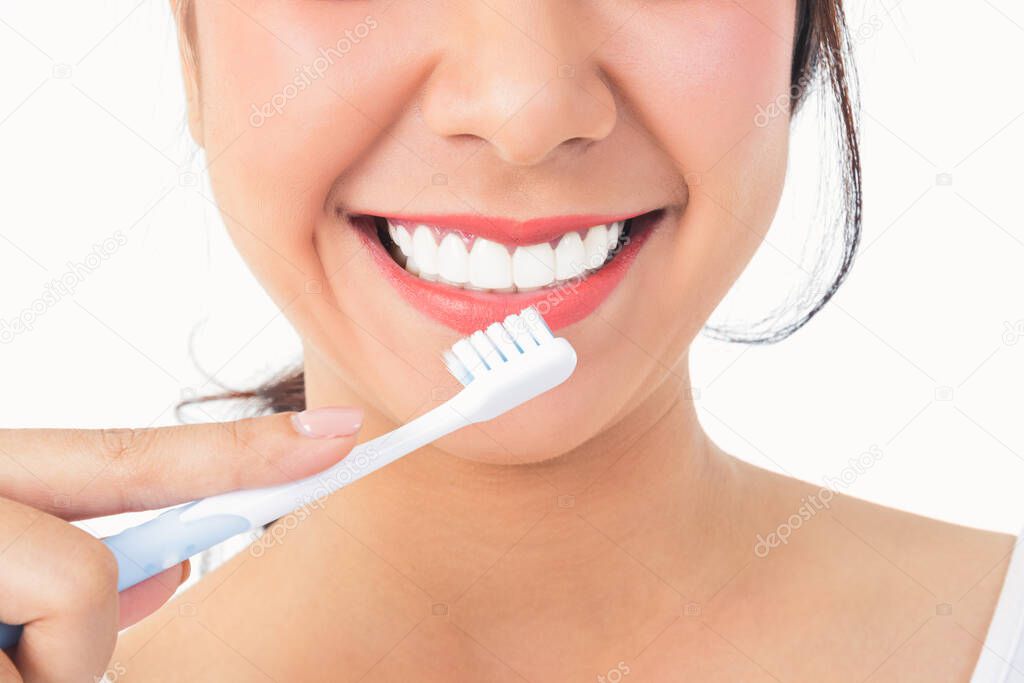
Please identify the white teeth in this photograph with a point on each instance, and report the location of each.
(533, 266)
(453, 260)
(614, 230)
(596, 246)
(424, 251)
(490, 266)
(402, 239)
(570, 257)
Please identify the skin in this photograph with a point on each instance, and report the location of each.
(525, 548)
(60, 581)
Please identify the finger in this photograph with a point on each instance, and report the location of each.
(8, 674)
(81, 473)
(62, 584)
(144, 598)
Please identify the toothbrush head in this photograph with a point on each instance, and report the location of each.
(486, 350)
(508, 364)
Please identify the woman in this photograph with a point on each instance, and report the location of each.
(399, 174)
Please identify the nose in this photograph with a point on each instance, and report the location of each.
(525, 98)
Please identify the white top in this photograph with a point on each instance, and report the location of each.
(1002, 657)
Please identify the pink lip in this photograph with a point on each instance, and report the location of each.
(467, 310)
(509, 231)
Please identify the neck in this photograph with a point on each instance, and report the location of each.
(556, 563)
(651, 492)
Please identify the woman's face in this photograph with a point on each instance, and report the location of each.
(509, 129)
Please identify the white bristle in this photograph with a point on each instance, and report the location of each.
(500, 337)
(516, 327)
(538, 328)
(479, 353)
(488, 352)
(457, 368)
(469, 358)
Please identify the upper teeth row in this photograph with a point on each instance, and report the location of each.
(434, 254)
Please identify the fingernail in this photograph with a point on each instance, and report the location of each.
(327, 423)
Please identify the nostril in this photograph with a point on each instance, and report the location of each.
(518, 108)
(578, 143)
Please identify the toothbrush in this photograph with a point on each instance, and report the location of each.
(500, 368)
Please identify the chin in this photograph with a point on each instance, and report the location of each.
(515, 439)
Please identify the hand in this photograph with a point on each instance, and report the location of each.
(60, 581)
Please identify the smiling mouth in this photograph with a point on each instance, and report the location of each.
(466, 271)
(469, 261)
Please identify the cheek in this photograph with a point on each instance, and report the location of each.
(293, 94)
(699, 73)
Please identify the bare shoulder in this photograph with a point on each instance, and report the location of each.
(844, 589)
(955, 563)
(919, 593)
(958, 569)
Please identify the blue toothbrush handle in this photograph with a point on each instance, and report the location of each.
(149, 548)
(164, 541)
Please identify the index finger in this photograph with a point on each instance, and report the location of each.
(79, 473)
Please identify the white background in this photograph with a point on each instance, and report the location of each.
(921, 354)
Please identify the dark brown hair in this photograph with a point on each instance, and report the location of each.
(821, 59)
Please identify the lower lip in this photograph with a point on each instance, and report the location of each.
(466, 310)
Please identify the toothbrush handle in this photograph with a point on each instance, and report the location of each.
(146, 550)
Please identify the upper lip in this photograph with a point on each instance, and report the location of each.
(510, 231)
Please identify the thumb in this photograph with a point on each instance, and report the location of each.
(144, 598)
